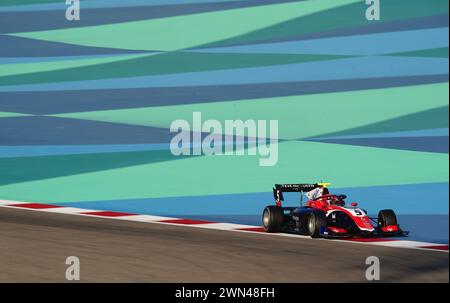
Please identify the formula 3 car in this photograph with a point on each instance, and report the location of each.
(326, 216)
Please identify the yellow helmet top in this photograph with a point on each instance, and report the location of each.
(324, 184)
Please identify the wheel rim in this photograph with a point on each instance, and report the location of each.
(266, 218)
(311, 225)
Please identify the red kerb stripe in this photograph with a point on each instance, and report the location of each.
(370, 239)
(256, 229)
(107, 214)
(440, 247)
(186, 221)
(35, 205)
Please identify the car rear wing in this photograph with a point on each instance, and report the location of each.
(296, 187)
(301, 188)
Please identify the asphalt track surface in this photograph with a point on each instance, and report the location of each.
(34, 247)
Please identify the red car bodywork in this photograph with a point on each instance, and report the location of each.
(332, 203)
(326, 216)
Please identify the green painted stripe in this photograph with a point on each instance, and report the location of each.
(167, 63)
(429, 119)
(37, 69)
(9, 115)
(25, 2)
(345, 166)
(299, 116)
(351, 15)
(435, 53)
(186, 31)
(22, 169)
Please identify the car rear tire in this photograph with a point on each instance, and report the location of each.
(316, 221)
(272, 219)
(386, 217)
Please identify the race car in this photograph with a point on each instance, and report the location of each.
(326, 216)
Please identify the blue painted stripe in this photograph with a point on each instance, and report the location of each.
(53, 150)
(404, 199)
(363, 45)
(421, 144)
(91, 4)
(353, 68)
(12, 46)
(438, 132)
(41, 130)
(60, 102)
(14, 60)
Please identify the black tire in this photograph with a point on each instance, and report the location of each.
(316, 220)
(272, 219)
(386, 217)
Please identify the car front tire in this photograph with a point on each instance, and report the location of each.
(386, 217)
(316, 221)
